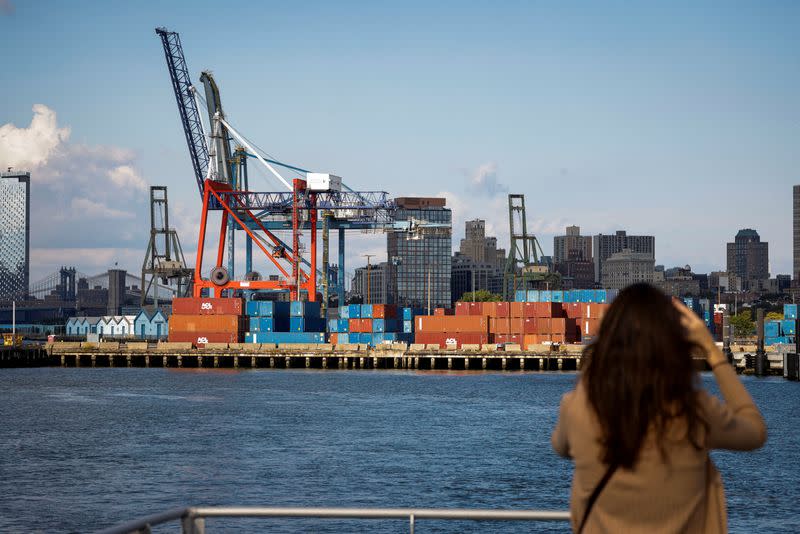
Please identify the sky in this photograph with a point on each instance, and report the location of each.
(674, 119)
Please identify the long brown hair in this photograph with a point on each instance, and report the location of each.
(639, 375)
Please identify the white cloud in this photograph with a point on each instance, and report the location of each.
(85, 207)
(31, 147)
(125, 176)
(483, 180)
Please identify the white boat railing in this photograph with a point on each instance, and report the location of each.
(192, 519)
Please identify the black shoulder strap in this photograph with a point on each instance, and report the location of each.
(595, 494)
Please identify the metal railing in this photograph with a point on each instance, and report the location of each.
(193, 518)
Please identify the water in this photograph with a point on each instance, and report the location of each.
(84, 449)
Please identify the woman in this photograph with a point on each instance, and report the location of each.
(639, 428)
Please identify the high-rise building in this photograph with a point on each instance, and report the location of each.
(796, 234)
(627, 267)
(606, 245)
(748, 257)
(116, 290)
(572, 246)
(371, 284)
(420, 257)
(478, 247)
(468, 276)
(15, 208)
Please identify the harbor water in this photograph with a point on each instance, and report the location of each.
(84, 449)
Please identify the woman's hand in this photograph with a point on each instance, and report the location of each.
(697, 333)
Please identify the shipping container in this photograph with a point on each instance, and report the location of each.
(456, 338)
(533, 295)
(790, 311)
(520, 295)
(408, 327)
(410, 313)
(384, 311)
(508, 338)
(513, 325)
(207, 306)
(441, 312)
(557, 296)
(306, 324)
(206, 323)
(788, 327)
(286, 337)
(266, 308)
(465, 323)
(365, 338)
(354, 311)
(343, 338)
(302, 308)
(199, 339)
(489, 309)
(344, 312)
(429, 323)
(570, 296)
(589, 327)
(772, 328)
(503, 309)
(333, 338)
(268, 324)
(384, 325)
(366, 311)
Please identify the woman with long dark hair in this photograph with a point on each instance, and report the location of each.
(639, 427)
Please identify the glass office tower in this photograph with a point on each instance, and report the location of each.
(420, 258)
(14, 235)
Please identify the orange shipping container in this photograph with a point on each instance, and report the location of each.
(205, 323)
(441, 312)
(430, 323)
(333, 338)
(462, 308)
(517, 309)
(465, 323)
(503, 309)
(489, 309)
(590, 327)
(207, 306)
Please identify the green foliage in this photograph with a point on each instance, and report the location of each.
(743, 324)
(774, 316)
(480, 295)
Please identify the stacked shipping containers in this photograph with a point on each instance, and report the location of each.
(284, 322)
(370, 324)
(206, 320)
(782, 331)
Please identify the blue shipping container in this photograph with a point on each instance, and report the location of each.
(306, 324)
(344, 312)
(545, 296)
(557, 296)
(408, 327)
(343, 338)
(301, 308)
(519, 295)
(354, 311)
(261, 324)
(286, 337)
(790, 311)
(366, 311)
(532, 295)
(788, 327)
(384, 325)
(266, 308)
(571, 296)
(771, 328)
(366, 339)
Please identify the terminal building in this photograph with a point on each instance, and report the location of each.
(748, 258)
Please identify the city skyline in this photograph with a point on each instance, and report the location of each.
(689, 112)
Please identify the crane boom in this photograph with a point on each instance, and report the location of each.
(187, 106)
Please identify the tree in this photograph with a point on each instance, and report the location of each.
(480, 295)
(743, 324)
(774, 316)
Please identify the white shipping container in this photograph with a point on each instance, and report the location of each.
(320, 181)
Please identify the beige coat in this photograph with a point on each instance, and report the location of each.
(683, 495)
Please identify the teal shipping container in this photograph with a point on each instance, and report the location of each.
(285, 337)
(772, 328)
(366, 311)
(408, 327)
(266, 308)
(533, 295)
(557, 296)
(300, 308)
(788, 327)
(520, 295)
(790, 311)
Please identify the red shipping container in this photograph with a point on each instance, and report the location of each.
(441, 312)
(384, 311)
(595, 311)
(476, 308)
(333, 338)
(503, 309)
(444, 339)
(589, 327)
(206, 323)
(573, 310)
(544, 309)
(462, 308)
(201, 338)
(207, 306)
(354, 325)
(517, 309)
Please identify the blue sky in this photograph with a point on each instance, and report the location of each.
(678, 119)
